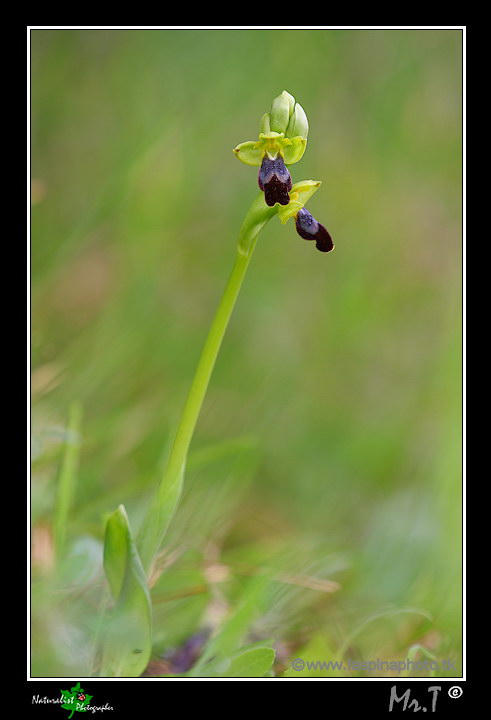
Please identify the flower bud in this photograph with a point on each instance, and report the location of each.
(280, 112)
(291, 100)
(298, 125)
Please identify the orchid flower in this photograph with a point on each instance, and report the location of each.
(282, 142)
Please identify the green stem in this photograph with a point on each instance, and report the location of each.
(168, 494)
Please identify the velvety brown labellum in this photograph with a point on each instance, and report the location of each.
(310, 229)
(275, 180)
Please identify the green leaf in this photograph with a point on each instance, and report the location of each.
(251, 663)
(116, 550)
(128, 634)
(318, 649)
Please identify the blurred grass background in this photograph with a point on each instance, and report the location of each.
(329, 443)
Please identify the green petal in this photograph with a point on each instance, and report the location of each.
(271, 135)
(305, 189)
(272, 143)
(294, 152)
(249, 154)
(298, 125)
(265, 124)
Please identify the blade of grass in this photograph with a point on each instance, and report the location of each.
(221, 647)
(412, 655)
(378, 616)
(66, 482)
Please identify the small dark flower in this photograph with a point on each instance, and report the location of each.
(184, 657)
(310, 229)
(275, 180)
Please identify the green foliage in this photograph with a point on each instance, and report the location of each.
(67, 479)
(253, 662)
(220, 650)
(127, 640)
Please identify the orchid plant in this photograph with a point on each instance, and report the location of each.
(129, 562)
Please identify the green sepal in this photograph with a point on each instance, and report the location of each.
(294, 152)
(249, 153)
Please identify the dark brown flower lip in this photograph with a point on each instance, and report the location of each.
(275, 180)
(310, 229)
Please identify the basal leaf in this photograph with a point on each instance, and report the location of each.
(251, 663)
(128, 633)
